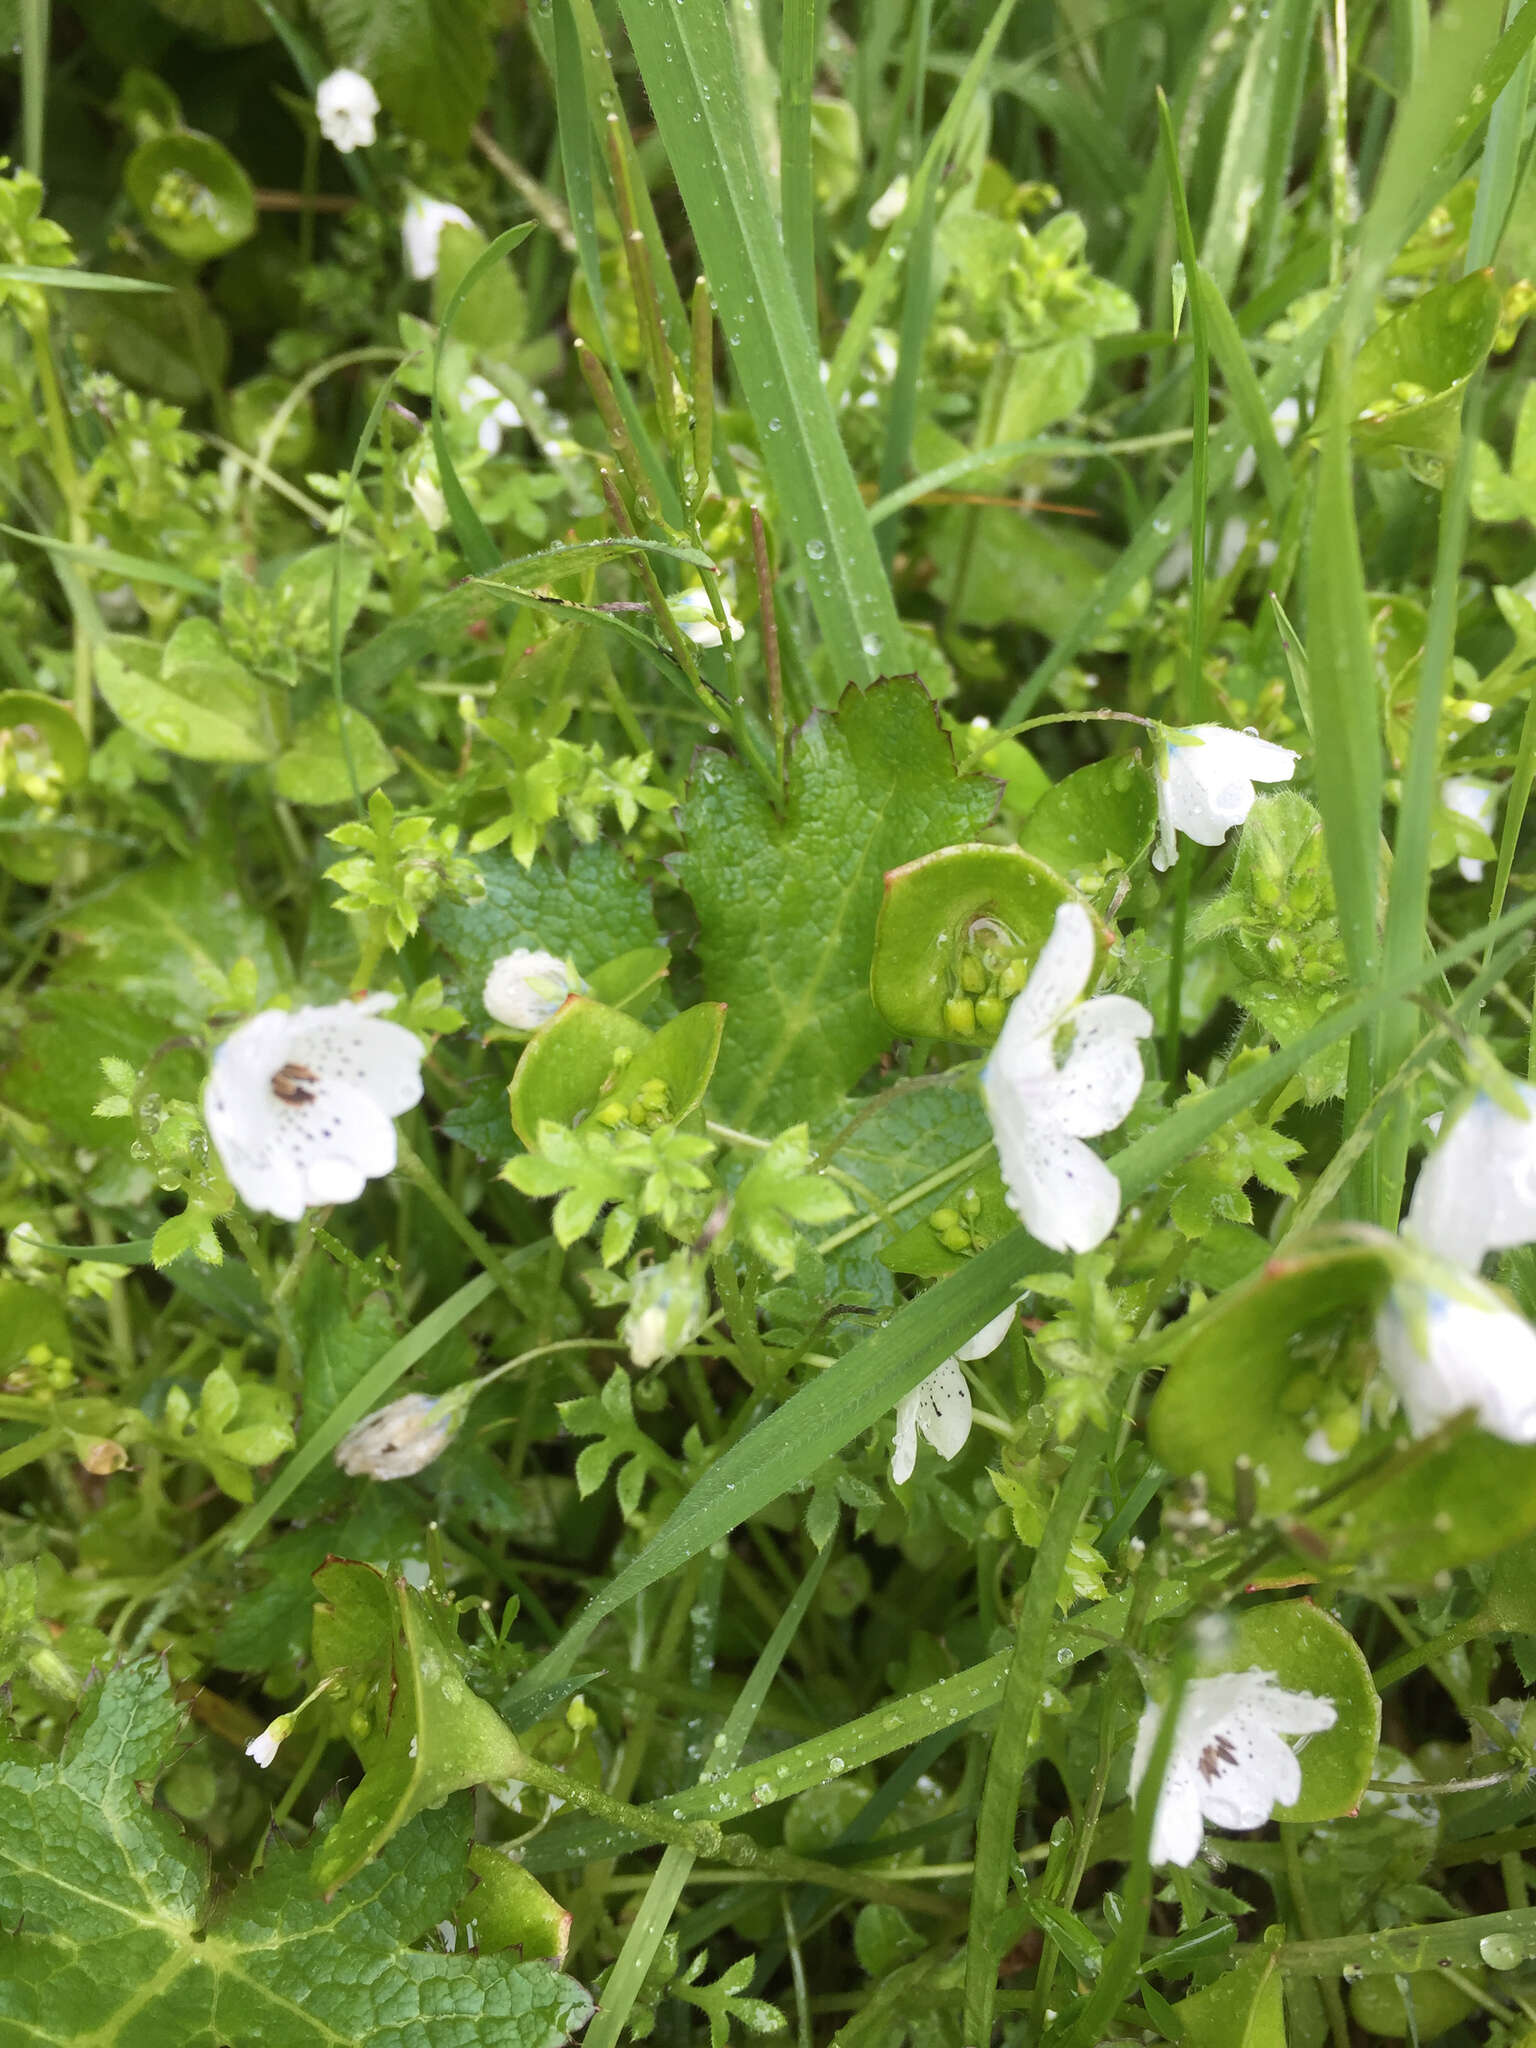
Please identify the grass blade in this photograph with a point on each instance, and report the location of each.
(688, 62)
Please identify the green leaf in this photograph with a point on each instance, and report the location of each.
(170, 342)
(1243, 2009)
(113, 1938)
(1412, 373)
(591, 911)
(1094, 823)
(688, 63)
(781, 1189)
(192, 195)
(568, 1063)
(420, 1731)
(787, 905)
(315, 770)
(164, 938)
(430, 61)
(188, 697)
(492, 315)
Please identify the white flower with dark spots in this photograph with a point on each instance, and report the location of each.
(1476, 1192)
(421, 231)
(1478, 802)
(940, 1408)
(1447, 1352)
(300, 1103)
(404, 1437)
(527, 986)
(1205, 783)
(1229, 1764)
(347, 107)
(1064, 1194)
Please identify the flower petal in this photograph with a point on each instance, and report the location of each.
(988, 1337)
(341, 1042)
(1445, 1354)
(1063, 1194)
(904, 1450)
(1096, 1086)
(1477, 1190)
(944, 1409)
(1060, 974)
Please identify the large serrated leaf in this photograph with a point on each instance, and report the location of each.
(111, 1938)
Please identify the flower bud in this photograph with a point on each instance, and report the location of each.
(405, 1437)
(263, 1747)
(103, 1457)
(666, 1309)
(525, 988)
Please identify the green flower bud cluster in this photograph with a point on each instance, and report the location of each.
(988, 974)
(648, 1109)
(956, 1227)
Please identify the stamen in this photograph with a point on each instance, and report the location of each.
(293, 1083)
(1215, 1757)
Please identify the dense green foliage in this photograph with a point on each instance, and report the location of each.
(676, 547)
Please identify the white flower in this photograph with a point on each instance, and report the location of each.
(346, 107)
(1478, 801)
(1205, 783)
(404, 1437)
(1445, 1353)
(941, 1406)
(887, 207)
(503, 414)
(667, 1307)
(527, 986)
(421, 230)
(1476, 1192)
(693, 612)
(1228, 1764)
(1285, 419)
(263, 1747)
(299, 1103)
(1064, 1194)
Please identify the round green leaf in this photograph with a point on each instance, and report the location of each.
(1096, 822)
(35, 720)
(188, 697)
(1410, 375)
(192, 194)
(1308, 1651)
(953, 927)
(568, 1062)
(314, 770)
(511, 1909)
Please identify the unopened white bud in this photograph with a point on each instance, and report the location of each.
(263, 1747)
(405, 1437)
(525, 988)
(666, 1309)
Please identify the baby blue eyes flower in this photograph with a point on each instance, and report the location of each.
(1445, 1353)
(1064, 1194)
(300, 1104)
(1228, 1764)
(421, 230)
(940, 1408)
(1205, 784)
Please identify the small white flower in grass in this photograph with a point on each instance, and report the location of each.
(346, 107)
(1228, 1764)
(693, 612)
(421, 230)
(1205, 783)
(526, 987)
(1064, 1194)
(503, 414)
(263, 1747)
(887, 208)
(1476, 801)
(1447, 1352)
(940, 1408)
(404, 1437)
(300, 1103)
(1476, 1193)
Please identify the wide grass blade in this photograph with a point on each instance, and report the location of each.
(688, 61)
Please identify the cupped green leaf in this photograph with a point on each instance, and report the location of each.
(420, 1731)
(188, 697)
(1411, 374)
(568, 1063)
(957, 933)
(191, 194)
(31, 718)
(625, 982)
